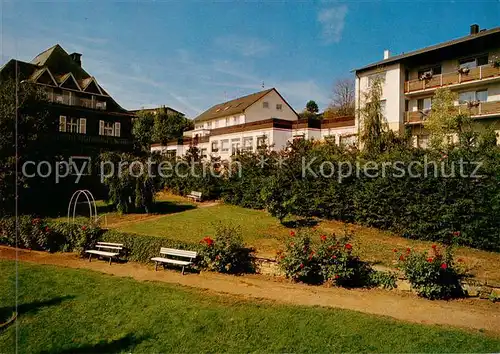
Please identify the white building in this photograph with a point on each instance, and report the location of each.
(250, 121)
(469, 66)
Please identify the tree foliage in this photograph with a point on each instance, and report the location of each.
(27, 118)
(343, 98)
(312, 107)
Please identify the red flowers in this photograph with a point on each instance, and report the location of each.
(434, 247)
(336, 276)
(84, 227)
(401, 258)
(301, 265)
(348, 246)
(430, 260)
(323, 237)
(47, 229)
(460, 260)
(35, 221)
(208, 241)
(292, 233)
(408, 250)
(444, 266)
(456, 234)
(395, 250)
(334, 257)
(311, 255)
(217, 257)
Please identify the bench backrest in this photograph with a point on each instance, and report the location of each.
(178, 253)
(110, 245)
(196, 194)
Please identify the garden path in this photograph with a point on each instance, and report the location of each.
(467, 313)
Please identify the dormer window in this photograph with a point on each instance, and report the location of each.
(265, 104)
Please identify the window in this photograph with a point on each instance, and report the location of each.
(100, 105)
(382, 108)
(227, 122)
(83, 126)
(109, 128)
(347, 140)
(422, 141)
(248, 144)
(235, 146)
(424, 104)
(235, 120)
(473, 61)
(265, 104)
(215, 146)
(224, 145)
(72, 125)
(216, 124)
(434, 70)
(279, 106)
(470, 96)
(374, 77)
(62, 123)
(261, 141)
(209, 125)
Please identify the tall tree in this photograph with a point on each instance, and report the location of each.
(170, 126)
(312, 107)
(142, 130)
(343, 97)
(23, 115)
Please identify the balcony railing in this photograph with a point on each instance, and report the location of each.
(453, 78)
(476, 110)
(93, 139)
(76, 101)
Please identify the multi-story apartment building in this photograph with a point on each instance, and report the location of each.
(469, 66)
(245, 123)
(89, 119)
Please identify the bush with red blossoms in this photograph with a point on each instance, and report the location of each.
(225, 253)
(432, 274)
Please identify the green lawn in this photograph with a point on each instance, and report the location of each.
(259, 228)
(78, 311)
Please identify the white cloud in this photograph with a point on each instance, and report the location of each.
(242, 45)
(332, 21)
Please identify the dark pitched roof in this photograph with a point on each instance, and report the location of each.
(235, 106)
(431, 48)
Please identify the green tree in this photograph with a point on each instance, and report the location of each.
(446, 119)
(25, 104)
(312, 107)
(142, 130)
(170, 126)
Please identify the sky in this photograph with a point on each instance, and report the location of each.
(191, 55)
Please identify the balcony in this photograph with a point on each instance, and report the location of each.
(477, 110)
(93, 139)
(72, 100)
(484, 72)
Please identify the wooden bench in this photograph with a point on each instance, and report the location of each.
(112, 250)
(196, 196)
(177, 253)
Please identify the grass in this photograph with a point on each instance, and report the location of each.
(65, 310)
(177, 218)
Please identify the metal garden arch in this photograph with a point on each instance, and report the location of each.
(90, 201)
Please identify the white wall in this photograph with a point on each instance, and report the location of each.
(257, 112)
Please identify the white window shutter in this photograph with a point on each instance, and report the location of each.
(62, 123)
(101, 127)
(83, 126)
(117, 128)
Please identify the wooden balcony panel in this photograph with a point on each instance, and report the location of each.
(490, 107)
(415, 85)
(450, 79)
(473, 74)
(489, 71)
(414, 117)
(434, 81)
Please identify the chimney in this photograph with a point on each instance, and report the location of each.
(387, 54)
(77, 58)
(474, 29)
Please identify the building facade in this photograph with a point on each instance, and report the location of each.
(469, 66)
(246, 123)
(90, 120)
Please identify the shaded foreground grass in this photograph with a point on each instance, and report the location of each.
(77, 311)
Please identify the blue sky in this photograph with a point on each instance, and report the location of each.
(191, 55)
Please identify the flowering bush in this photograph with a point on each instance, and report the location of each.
(298, 260)
(432, 274)
(338, 265)
(330, 259)
(225, 253)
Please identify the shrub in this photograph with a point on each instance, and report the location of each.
(338, 265)
(52, 236)
(432, 274)
(331, 260)
(226, 253)
(297, 261)
(385, 280)
(141, 248)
